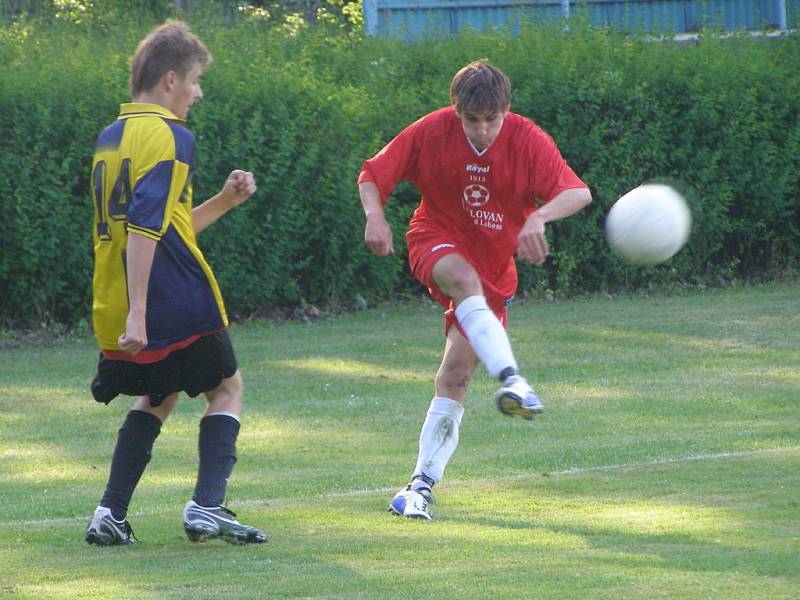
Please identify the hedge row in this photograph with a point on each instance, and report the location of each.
(719, 117)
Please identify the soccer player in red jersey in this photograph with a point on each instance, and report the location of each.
(490, 181)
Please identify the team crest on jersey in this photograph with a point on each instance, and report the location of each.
(475, 196)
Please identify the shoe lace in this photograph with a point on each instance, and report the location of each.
(426, 493)
(129, 531)
(248, 528)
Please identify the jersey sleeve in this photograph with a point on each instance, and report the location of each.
(551, 173)
(396, 161)
(158, 182)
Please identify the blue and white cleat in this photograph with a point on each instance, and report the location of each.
(412, 504)
(516, 398)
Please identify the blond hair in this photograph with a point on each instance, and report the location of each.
(480, 87)
(169, 47)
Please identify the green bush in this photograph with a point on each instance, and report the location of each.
(718, 117)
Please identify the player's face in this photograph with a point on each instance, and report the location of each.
(186, 91)
(483, 127)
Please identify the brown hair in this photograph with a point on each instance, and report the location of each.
(169, 47)
(480, 87)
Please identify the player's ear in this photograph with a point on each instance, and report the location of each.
(169, 79)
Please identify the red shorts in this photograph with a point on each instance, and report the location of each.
(427, 247)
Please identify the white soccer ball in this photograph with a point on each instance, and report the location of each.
(648, 225)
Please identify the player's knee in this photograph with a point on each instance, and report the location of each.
(231, 387)
(456, 378)
(234, 384)
(463, 284)
(456, 277)
(161, 408)
(467, 284)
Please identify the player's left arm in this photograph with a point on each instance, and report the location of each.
(531, 242)
(239, 186)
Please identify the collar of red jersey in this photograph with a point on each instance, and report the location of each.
(130, 110)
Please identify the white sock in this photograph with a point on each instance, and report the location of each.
(438, 438)
(486, 335)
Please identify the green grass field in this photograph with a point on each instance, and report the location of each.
(667, 464)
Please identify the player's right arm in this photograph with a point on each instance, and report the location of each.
(158, 179)
(139, 262)
(378, 232)
(376, 181)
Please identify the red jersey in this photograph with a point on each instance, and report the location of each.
(482, 198)
(478, 199)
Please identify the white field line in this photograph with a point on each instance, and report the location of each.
(458, 483)
(582, 470)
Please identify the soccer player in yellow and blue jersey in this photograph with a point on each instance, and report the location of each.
(157, 311)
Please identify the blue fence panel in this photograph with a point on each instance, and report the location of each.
(415, 18)
(664, 15)
(412, 19)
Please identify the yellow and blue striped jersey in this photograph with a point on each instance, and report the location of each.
(141, 182)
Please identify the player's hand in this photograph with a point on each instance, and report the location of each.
(239, 186)
(134, 339)
(531, 243)
(378, 236)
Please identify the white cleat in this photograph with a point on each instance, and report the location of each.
(412, 504)
(516, 398)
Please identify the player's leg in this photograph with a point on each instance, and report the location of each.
(439, 435)
(219, 429)
(487, 336)
(456, 278)
(204, 516)
(132, 453)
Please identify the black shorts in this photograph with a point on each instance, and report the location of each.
(198, 368)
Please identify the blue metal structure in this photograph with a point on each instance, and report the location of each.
(412, 19)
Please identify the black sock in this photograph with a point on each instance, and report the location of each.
(217, 449)
(134, 443)
(422, 481)
(506, 373)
